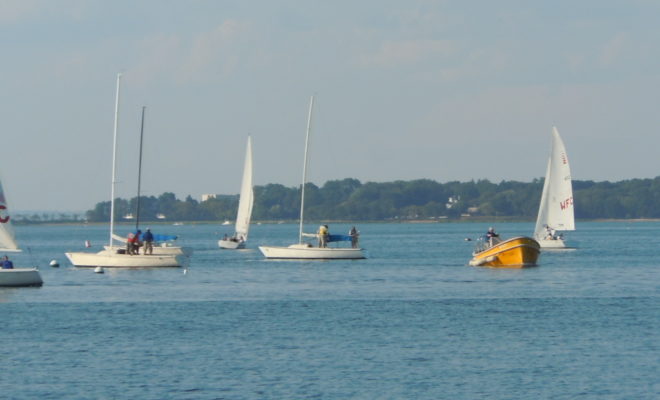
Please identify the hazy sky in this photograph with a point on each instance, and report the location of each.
(446, 90)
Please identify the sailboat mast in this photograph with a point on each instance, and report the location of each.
(114, 162)
(304, 178)
(137, 207)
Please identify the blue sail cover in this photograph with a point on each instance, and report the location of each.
(160, 238)
(339, 238)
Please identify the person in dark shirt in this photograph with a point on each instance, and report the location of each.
(6, 263)
(148, 239)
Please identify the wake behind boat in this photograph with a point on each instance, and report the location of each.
(556, 211)
(302, 250)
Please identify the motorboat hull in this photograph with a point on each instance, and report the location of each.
(20, 277)
(297, 251)
(231, 244)
(518, 252)
(111, 259)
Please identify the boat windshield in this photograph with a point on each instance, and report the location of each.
(484, 242)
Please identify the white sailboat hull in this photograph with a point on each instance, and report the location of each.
(230, 244)
(111, 259)
(19, 277)
(161, 250)
(297, 251)
(551, 243)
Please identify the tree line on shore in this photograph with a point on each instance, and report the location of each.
(349, 199)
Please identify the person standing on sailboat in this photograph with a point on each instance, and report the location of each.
(148, 239)
(353, 233)
(323, 235)
(6, 263)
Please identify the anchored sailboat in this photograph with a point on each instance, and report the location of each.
(245, 202)
(302, 250)
(113, 256)
(14, 276)
(163, 244)
(556, 207)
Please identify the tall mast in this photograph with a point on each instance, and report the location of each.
(114, 163)
(304, 177)
(137, 211)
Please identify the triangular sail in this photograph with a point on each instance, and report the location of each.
(7, 237)
(246, 197)
(556, 208)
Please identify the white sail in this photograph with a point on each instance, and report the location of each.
(14, 277)
(7, 237)
(246, 196)
(556, 208)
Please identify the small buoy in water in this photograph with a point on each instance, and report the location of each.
(54, 264)
(99, 270)
(185, 271)
(88, 244)
(468, 239)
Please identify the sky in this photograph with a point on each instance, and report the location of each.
(442, 90)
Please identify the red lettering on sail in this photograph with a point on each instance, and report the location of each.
(566, 203)
(4, 220)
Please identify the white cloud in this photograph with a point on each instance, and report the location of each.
(12, 11)
(403, 52)
(214, 52)
(612, 50)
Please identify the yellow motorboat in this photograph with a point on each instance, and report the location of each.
(517, 252)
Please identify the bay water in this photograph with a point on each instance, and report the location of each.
(412, 321)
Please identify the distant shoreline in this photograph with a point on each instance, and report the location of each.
(408, 221)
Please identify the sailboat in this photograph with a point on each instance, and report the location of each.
(237, 241)
(302, 250)
(163, 243)
(113, 256)
(556, 207)
(15, 276)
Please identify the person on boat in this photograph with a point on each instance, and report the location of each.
(492, 236)
(133, 243)
(129, 243)
(148, 239)
(323, 234)
(353, 233)
(6, 263)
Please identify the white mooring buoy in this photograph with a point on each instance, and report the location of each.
(54, 264)
(99, 270)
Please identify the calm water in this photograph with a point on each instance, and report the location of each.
(411, 322)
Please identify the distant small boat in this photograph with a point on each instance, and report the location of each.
(245, 203)
(556, 207)
(226, 222)
(517, 252)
